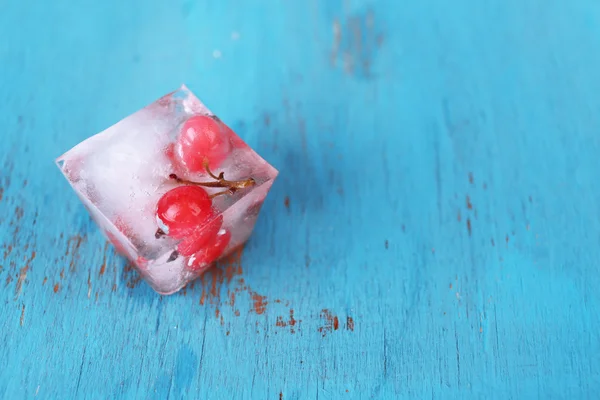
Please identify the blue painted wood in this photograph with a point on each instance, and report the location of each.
(441, 228)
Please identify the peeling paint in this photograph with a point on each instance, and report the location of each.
(331, 322)
(350, 323)
(260, 303)
(291, 322)
(23, 275)
(73, 246)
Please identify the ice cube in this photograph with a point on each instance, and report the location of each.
(171, 186)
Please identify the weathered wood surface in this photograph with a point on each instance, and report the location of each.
(433, 233)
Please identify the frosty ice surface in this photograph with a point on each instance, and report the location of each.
(171, 186)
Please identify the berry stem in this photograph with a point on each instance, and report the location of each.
(228, 191)
(221, 182)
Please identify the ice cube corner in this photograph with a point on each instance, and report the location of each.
(172, 187)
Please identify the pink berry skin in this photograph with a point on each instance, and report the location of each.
(182, 210)
(201, 237)
(202, 139)
(211, 252)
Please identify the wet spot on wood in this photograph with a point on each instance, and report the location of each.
(356, 44)
(337, 39)
(302, 132)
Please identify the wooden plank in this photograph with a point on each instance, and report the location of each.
(433, 231)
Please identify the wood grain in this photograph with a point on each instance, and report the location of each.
(433, 231)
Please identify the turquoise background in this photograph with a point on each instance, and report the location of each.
(434, 231)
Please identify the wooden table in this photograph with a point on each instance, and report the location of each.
(433, 233)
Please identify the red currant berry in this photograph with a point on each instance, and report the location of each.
(202, 138)
(200, 238)
(181, 210)
(211, 252)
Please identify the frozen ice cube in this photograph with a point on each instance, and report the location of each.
(171, 186)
